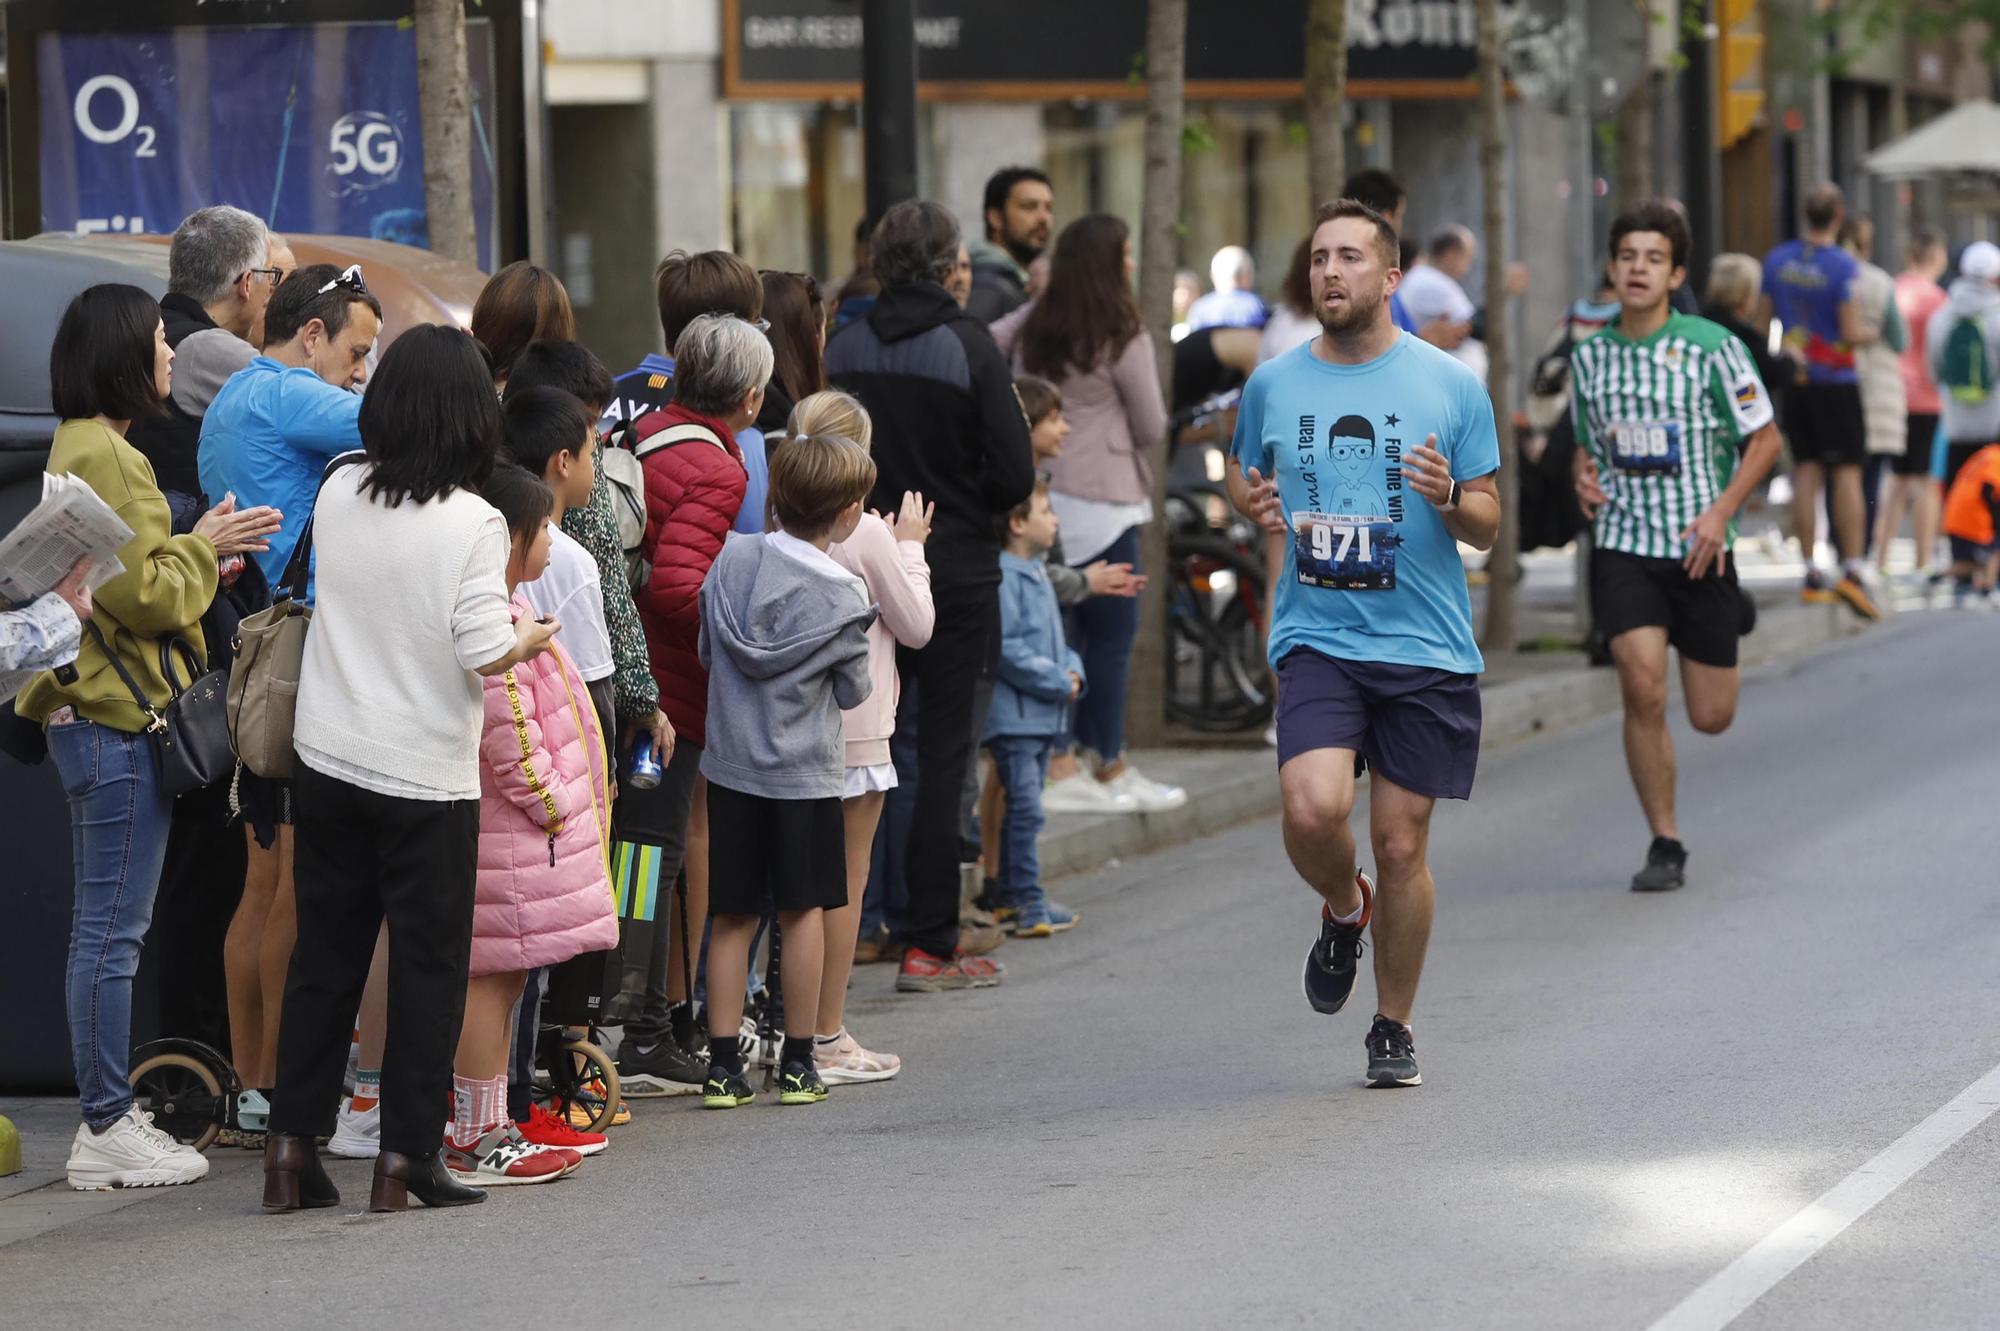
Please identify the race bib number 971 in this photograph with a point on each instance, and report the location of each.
(1648, 446)
(1344, 551)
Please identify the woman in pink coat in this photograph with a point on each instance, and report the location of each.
(543, 894)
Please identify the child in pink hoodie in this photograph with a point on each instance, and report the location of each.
(543, 892)
(886, 553)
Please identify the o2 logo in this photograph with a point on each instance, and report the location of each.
(366, 150)
(125, 126)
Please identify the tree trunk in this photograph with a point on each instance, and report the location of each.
(1159, 234)
(1502, 632)
(1635, 146)
(444, 96)
(1326, 95)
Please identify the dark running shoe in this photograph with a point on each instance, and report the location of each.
(725, 1089)
(1336, 955)
(666, 1068)
(1666, 867)
(800, 1084)
(1392, 1054)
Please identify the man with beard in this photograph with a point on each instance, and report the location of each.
(1372, 631)
(1020, 216)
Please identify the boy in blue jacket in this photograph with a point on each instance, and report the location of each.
(1037, 679)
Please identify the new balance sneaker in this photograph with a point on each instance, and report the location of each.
(502, 1158)
(1335, 957)
(1855, 597)
(926, 973)
(545, 1129)
(842, 1061)
(1392, 1054)
(663, 1069)
(726, 1090)
(1050, 920)
(1083, 793)
(357, 1136)
(800, 1084)
(131, 1153)
(1666, 867)
(1146, 794)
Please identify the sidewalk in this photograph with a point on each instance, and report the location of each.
(1534, 693)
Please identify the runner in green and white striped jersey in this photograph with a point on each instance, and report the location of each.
(1662, 417)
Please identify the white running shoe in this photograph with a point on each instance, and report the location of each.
(131, 1153)
(1085, 794)
(357, 1136)
(1147, 795)
(842, 1061)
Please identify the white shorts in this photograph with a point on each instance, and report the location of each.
(868, 780)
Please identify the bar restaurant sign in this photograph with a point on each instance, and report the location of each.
(1049, 49)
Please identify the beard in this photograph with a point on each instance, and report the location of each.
(1357, 312)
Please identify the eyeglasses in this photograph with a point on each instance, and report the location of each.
(351, 279)
(276, 275)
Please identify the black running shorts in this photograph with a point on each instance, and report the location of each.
(1918, 445)
(1418, 727)
(1823, 424)
(790, 854)
(1703, 617)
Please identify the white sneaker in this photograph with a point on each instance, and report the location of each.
(131, 1153)
(1147, 795)
(1085, 794)
(357, 1136)
(843, 1062)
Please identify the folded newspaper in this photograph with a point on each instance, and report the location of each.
(70, 523)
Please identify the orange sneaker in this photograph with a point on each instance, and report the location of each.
(545, 1129)
(925, 973)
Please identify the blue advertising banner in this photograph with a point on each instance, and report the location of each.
(313, 127)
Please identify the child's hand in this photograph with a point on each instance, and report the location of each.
(914, 522)
(1075, 684)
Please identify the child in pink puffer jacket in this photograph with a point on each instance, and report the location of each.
(543, 892)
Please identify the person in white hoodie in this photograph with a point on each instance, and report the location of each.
(1963, 343)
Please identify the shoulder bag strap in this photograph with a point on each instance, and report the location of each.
(154, 721)
(677, 434)
(292, 586)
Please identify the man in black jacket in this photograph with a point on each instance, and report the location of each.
(947, 424)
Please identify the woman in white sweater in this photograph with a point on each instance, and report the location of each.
(411, 612)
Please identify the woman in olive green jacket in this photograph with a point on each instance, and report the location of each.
(111, 364)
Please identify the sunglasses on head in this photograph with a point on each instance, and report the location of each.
(351, 279)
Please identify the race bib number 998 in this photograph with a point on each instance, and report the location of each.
(1648, 446)
(1344, 551)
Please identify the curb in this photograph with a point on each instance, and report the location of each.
(1237, 786)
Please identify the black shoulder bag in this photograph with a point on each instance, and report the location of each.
(190, 735)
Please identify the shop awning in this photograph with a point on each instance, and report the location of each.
(1963, 139)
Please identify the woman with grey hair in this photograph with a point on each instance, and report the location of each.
(694, 488)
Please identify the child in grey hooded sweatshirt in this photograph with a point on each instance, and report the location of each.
(784, 636)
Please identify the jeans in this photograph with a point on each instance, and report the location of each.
(1022, 762)
(118, 820)
(1102, 631)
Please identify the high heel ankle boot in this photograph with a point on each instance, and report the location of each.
(294, 1178)
(400, 1177)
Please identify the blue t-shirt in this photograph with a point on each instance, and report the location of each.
(757, 482)
(1400, 313)
(1228, 309)
(1807, 285)
(1371, 573)
(267, 437)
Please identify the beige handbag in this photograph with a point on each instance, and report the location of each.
(270, 650)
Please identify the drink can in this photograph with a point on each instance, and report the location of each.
(644, 772)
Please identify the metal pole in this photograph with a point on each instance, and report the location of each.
(1702, 189)
(889, 101)
(1582, 168)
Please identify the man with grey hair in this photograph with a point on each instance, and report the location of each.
(1234, 303)
(949, 426)
(1434, 294)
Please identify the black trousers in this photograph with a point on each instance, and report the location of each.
(201, 883)
(656, 817)
(947, 672)
(360, 857)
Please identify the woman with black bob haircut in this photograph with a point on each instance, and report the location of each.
(109, 366)
(412, 611)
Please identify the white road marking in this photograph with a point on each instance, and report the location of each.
(1729, 1292)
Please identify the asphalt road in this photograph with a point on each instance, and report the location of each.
(1148, 1126)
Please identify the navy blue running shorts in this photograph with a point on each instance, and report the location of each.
(1416, 726)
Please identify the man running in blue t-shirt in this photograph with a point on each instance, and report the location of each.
(1372, 631)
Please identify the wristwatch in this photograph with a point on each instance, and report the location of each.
(1451, 500)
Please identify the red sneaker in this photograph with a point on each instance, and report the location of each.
(500, 1158)
(545, 1129)
(926, 973)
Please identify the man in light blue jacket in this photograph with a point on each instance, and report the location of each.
(1036, 680)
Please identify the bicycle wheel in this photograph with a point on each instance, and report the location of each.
(583, 1075)
(1217, 677)
(183, 1095)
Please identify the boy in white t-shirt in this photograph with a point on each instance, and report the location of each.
(553, 435)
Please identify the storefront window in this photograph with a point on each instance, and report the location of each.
(798, 183)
